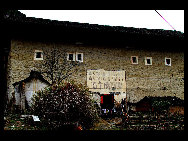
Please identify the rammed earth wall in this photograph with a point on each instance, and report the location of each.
(141, 80)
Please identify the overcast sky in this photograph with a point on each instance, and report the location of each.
(128, 18)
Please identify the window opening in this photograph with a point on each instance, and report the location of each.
(168, 61)
(79, 57)
(71, 57)
(134, 59)
(38, 55)
(148, 61)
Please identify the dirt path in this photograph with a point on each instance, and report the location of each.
(108, 124)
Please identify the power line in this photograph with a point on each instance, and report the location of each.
(164, 19)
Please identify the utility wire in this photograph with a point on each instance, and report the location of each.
(164, 19)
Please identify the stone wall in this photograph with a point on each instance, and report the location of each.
(141, 80)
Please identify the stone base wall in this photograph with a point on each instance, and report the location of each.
(141, 80)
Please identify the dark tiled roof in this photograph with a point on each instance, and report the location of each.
(17, 25)
(17, 16)
(33, 75)
(173, 101)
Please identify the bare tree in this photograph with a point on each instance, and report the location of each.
(55, 65)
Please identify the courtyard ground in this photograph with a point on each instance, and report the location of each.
(135, 121)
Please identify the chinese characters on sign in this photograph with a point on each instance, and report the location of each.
(106, 81)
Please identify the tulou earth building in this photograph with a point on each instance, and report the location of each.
(115, 62)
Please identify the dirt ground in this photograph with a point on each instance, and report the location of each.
(136, 121)
(108, 124)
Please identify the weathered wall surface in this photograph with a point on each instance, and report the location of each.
(141, 80)
(30, 89)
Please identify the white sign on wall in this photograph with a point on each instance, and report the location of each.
(106, 82)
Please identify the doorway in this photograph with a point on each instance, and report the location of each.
(107, 101)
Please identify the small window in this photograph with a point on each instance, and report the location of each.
(148, 61)
(79, 57)
(167, 61)
(134, 59)
(71, 57)
(38, 55)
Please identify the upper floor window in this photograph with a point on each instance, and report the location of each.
(148, 60)
(38, 55)
(134, 59)
(71, 56)
(75, 57)
(167, 61)
(79, 57)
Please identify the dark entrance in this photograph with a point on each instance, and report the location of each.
(107, 101)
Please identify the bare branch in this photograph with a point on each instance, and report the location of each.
(55, 65)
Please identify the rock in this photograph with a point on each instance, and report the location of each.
(35, 118)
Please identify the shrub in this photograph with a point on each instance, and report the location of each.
(64, 104)
(160, 105)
